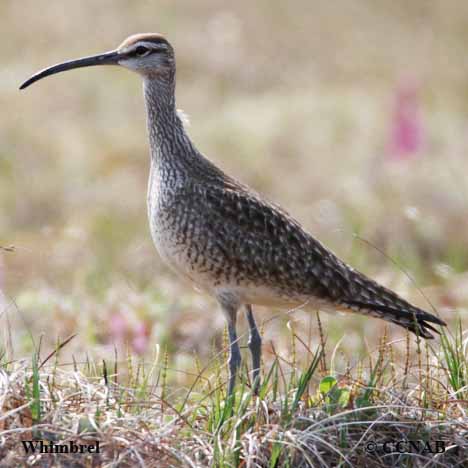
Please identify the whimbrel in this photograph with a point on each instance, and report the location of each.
(223, 236)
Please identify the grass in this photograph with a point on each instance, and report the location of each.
(305, 414)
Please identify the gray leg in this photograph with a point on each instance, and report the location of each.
(234, 356)
(255, 346)
(230, 305)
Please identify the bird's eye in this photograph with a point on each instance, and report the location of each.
(141, 51)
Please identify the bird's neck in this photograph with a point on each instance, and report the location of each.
(169, 143)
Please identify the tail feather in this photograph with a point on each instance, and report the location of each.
(401, 313)
(369, 297)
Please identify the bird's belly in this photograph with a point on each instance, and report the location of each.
(205, 275)
(265, 295)
(192, 261)
(212, 281)
(178, 253)
(201, 254)
(162, 230)
(171, 253)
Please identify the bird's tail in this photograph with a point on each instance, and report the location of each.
(378, 301)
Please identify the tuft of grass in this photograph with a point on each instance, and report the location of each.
(456, 358)
(35, 392)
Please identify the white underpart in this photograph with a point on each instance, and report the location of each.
(183, 116)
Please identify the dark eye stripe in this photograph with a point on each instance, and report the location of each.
(141, 51)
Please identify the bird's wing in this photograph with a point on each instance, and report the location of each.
(266, 243)
(263, 243)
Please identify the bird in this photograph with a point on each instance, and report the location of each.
(223, 236)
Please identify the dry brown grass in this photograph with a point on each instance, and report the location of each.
(297, 419)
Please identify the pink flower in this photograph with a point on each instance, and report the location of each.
(140, 338)
(118, 327)
(407, 130)
(135, 333)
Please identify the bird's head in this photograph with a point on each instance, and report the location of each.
(148, 54)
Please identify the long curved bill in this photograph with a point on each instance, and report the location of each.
(108, 58)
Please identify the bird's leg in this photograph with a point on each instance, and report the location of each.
(255, 346)
(234, 355)
(230, 307)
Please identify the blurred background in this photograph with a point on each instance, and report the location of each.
(352, 114)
